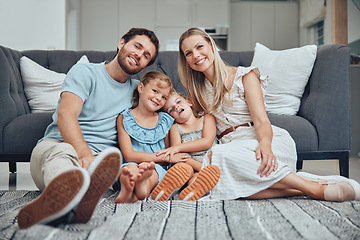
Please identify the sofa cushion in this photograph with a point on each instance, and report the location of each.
(300, 129)
(22, 133)
(42, 86)
(288, 71)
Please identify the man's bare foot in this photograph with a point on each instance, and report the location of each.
(146, 169)
(127, 182)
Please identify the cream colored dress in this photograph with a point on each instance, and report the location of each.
(235, 155)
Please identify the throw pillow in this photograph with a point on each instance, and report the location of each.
(288, 72)
(42, 86)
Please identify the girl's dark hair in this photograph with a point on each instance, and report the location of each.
(142, 31)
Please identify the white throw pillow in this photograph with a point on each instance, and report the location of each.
(288, 71)
(42, 86)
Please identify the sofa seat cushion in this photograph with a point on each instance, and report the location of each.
(300, 129)
(22, 133)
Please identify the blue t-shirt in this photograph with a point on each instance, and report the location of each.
(103, 99)
(148, 140)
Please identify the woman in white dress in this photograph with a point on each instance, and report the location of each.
(257, 160)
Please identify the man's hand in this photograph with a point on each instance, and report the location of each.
(85, 161)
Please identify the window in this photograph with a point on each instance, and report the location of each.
(320, 33)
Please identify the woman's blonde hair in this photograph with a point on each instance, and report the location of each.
(194, 81)
(164, 81)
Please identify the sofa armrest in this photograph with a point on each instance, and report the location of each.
(12, 98)
(326, 100)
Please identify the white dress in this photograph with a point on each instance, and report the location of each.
(235, 154)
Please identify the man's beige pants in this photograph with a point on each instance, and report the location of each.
(49, 159)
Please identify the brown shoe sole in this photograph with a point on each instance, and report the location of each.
(102, 178)
(174, 179)
(206, 180)
(56, 196)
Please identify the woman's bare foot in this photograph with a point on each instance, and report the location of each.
(127, 182)
(146, 169)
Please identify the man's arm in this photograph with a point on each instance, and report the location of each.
(69, 110)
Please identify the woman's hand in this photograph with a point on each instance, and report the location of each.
(268, 160)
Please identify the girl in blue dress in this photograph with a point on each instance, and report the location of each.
(142, 131)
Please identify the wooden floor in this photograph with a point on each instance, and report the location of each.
(281, 218)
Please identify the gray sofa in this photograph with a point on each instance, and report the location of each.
(321, 129)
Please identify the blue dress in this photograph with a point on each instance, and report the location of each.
(148, 140)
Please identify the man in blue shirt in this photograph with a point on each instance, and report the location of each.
(76, 161)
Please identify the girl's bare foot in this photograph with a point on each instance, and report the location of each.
(146, 169)
(127, 182)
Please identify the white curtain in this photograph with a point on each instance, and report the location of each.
(311, 12)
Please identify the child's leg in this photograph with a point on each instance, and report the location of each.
(196, 165)
(192, 179)
(127, 181)
(146, 180)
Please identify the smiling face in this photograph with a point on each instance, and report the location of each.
(136, 54)
(178, 107)
(153, 94)
(198, 53)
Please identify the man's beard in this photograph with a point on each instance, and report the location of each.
(121, 58)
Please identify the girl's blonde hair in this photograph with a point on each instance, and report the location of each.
(163, 81)
(194, 81)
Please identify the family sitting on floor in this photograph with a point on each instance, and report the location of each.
(216, 144)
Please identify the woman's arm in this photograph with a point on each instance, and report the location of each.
(264, 133)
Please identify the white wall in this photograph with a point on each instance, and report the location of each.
(274, 24)
(33, 24)
(41, 24)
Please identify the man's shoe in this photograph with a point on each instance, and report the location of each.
(59, 197)
(103, 171)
